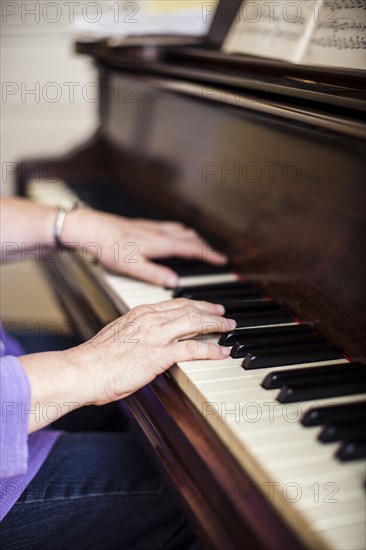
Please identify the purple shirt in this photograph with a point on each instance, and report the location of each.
(21, 456)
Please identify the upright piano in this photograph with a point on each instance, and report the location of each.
(267, 161)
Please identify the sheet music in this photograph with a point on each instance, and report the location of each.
(339, 38)
(314, 32)
(278, 30)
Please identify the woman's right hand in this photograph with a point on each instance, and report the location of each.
(131, 351)
(121, 358)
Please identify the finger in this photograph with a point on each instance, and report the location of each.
(161, 227)
(173, 231)
(199, 305)
(169, 316)
(190, 350)
(206, 252)
(182, 232)
(212, 256)
(194, 322)
(189, 249)
(152, 273)
(175, 227)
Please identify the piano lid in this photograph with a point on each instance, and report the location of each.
(202, 59)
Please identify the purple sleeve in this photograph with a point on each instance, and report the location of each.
(15, 402)
(8, 344)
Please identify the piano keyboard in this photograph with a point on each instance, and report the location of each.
(317, 485)
(300, 474)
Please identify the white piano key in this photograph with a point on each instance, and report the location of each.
(52, 193)
(195, 366)
(333, 492)
(318, 494)
(323, 517)
(346, 537)
(345, 470)
(285, 455)
(231, 395)
(223, 373)
(234, 395)
(198, 280)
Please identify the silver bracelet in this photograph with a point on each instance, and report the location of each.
(59, 223)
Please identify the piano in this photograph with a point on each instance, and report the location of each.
(266, 160)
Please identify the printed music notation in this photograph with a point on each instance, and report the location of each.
(349, 4)
(329, 32)
(338, 43)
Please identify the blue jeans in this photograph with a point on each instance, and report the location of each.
(96, 491)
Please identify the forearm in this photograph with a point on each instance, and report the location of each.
(57, 386)
(24, 224)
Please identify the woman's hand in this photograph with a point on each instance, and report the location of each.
(120, 244)
(122, 358)
(127, 245)
(134, 349)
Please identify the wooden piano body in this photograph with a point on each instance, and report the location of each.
(268, 163)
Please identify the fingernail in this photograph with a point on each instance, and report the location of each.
(225, 350)
(231, 323)
(217, 257)
(220, 258)
(220, 308)
(171, 280)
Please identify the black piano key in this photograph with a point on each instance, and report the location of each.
(244, 337)
(305, 391)
(354, 449)
(259, 319)
(230, 338)
(216, 287)
(287, 356)
(192, 267)
(241, 349)
(297, 349)
(243, 306)
(321, 415)
(277, 379)
(224, 294)
(337, 431)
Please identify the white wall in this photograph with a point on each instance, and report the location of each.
(34, 54)
(48, 93)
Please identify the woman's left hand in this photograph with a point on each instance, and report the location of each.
(128, 245)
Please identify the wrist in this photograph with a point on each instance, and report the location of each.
(85, 226)
(60, 219)
(76, 227)
(57, 386)
(80, 382)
